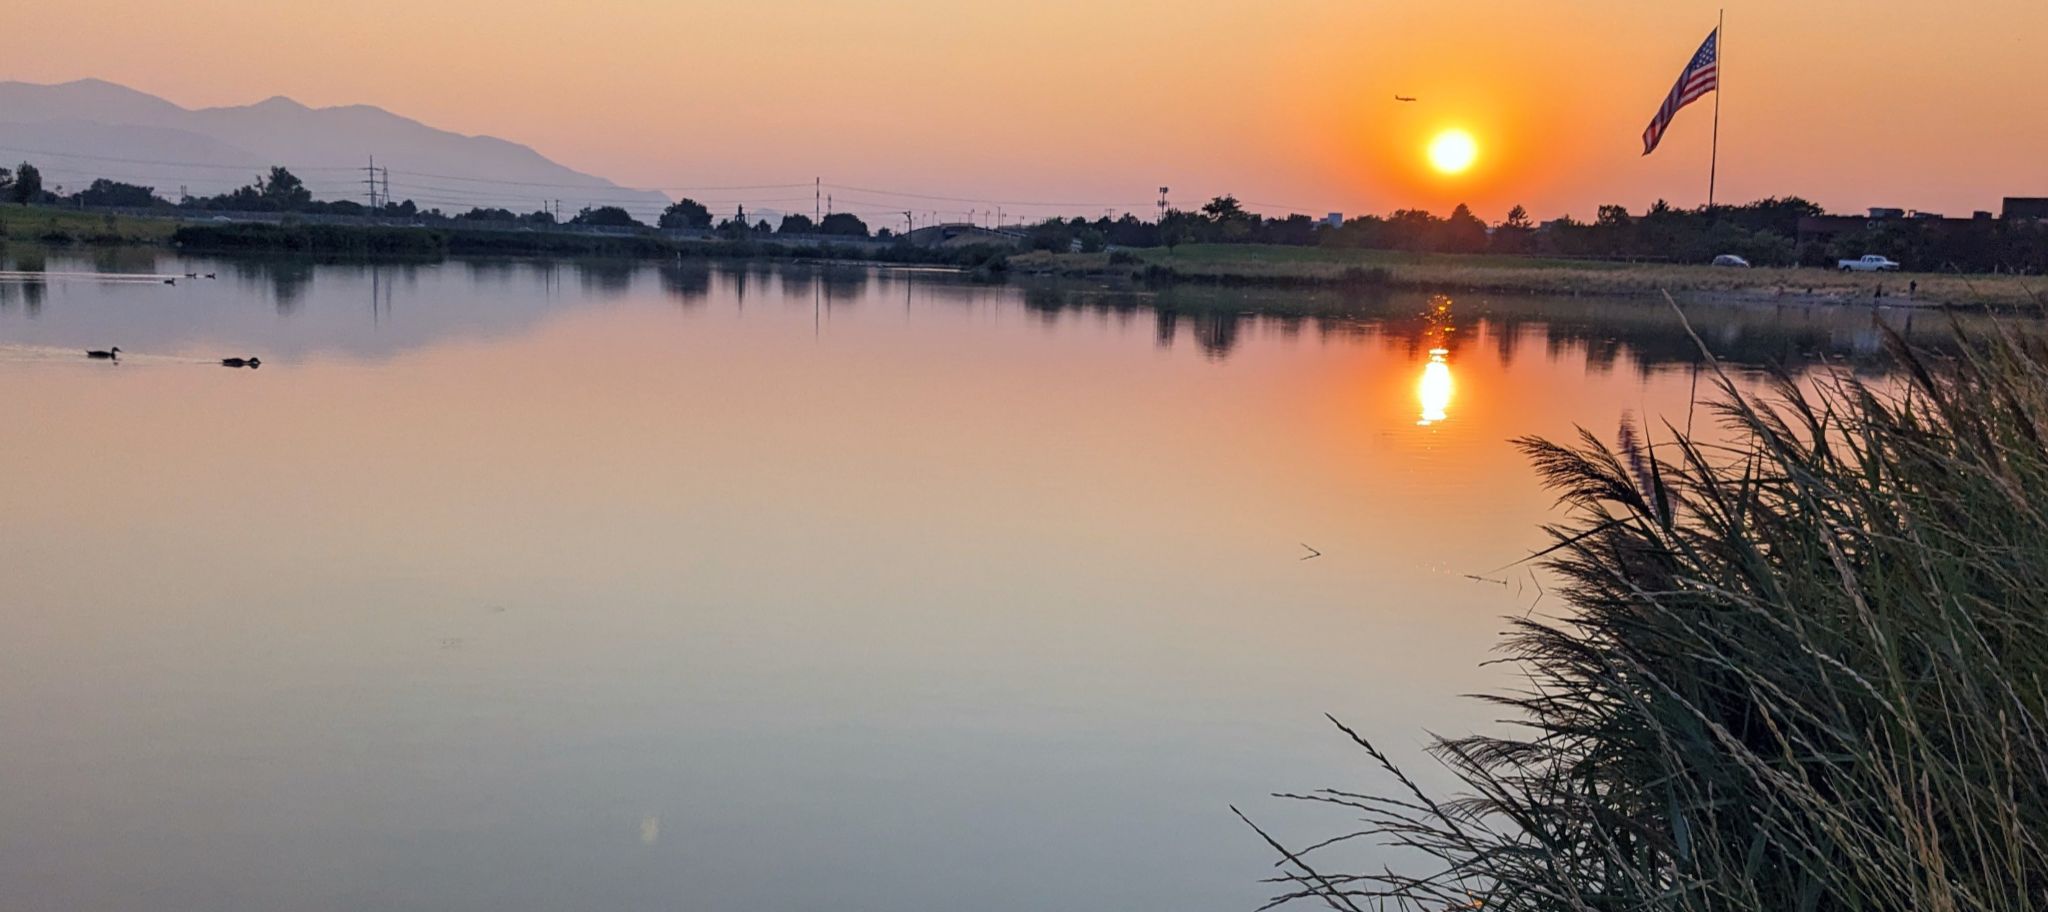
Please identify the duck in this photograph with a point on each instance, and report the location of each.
(241, 362)
(111, 354)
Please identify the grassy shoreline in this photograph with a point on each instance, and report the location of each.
(1485, 273)
(52, 225)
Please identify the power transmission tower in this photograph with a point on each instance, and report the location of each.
(370, 178)
(817, 187)
(1162, 205)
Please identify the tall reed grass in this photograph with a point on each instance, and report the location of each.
(1802, 671)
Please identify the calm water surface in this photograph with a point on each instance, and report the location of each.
(516, 586)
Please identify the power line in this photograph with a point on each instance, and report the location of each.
(595, 190)
(144, 161)
(1094, 204)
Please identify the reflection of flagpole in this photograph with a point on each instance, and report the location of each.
(1720, 72)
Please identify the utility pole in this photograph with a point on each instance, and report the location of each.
(909, 224)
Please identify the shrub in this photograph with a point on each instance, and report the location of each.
(1803, 672)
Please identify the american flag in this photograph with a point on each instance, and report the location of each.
(1701, 76)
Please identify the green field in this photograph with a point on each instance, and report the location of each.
(1262, 264)
(51, 225)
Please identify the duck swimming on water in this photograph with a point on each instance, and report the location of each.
(111, 354)
(241, 362)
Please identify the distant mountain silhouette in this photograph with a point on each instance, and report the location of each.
(77, 131)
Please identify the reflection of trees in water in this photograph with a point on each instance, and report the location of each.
(287, 279)
(800, 286)
(688, 282)
(284, 279)
(30, 291)
(1603, 331)
(502, 273)
(607, 278)
(125, 259)
(1167, 328)
(843, 285)
(1216, 332)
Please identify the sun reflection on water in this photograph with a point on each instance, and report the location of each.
(1435, 389)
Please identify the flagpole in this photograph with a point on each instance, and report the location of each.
(1720, 61)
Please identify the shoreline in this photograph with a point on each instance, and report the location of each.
(1229, 266)
(1253, 267)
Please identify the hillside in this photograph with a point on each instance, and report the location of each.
(77, 131)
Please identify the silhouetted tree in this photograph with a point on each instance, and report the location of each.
(797, 224)
(1177, 227)
(105, 192)
(1412, 229)
(1463, 232)
(1228, 222)
(606, 217)
(685, 213)
(284, 190)
(845, 224)
(1516, 234)
(28, 184)
(1296, 230)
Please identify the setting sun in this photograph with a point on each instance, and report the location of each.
(1453, 151)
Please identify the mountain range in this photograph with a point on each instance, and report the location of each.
(77, 131)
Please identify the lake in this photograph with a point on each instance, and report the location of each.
(529, 586)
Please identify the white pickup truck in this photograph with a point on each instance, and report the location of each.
(1868, 263)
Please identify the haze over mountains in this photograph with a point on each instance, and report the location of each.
(78, 131)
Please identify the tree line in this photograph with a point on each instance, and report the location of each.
(1765, 232)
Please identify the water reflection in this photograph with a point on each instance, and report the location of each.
(1435, 388)
(559, 585)
(316, 307)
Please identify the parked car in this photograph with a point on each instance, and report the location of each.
(1729, 259)
(1868, 263)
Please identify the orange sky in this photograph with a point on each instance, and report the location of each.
(1286, 103)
